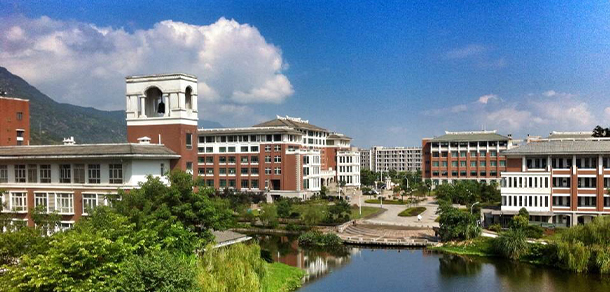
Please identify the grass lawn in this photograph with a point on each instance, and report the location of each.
(413, 211)
(480, 246)
(283, 278)
(366, 212)
(387, 202)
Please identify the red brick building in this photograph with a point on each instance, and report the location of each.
(474, 155)
(14, 121)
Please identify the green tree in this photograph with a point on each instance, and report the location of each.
(284, 208)
(367, 177)
(237, 268)
(457, 225)
(339, 212)
(312, 214)
(158, 206)
(269, 215)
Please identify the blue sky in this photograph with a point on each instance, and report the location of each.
(383, 72)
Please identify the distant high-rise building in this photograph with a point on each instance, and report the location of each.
(380, 158)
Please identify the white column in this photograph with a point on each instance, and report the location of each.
(143, 106)
(167, 108)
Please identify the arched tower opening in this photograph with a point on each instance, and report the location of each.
(154, 106)
(188, 94)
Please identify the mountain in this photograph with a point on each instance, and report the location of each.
(51, 121)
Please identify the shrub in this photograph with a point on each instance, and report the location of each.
(413, 211)
(573, 256)
(512, 244)
(534, 231)
(457, 225)
(316, 238)
(495, 227)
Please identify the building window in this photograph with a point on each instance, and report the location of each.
(536, 163)
(587, 202)
(162, 170)
(277, 148)
(116, 173)
(209, 159)
(493, 163)
(189, 141)
(20, 173)
(90, 202)
(19, 202)
(278, 170)
(222, 159)
(435, 163)
(494, 153)
(41, 199)
(244, 148)
(587, 182)
(232, 160)
(244, 184)
(222, 171)
(454, 163)
(232, 170)
(253, 148)
(462, 153)
(267, 148)
(473, 154)
(463, 163)
(222, 149)
(232, 183)
(277, 159)
(65, 173)
(244, 159)
(267, 159)
(45, 173)
(232, 149)
(79, 173)
(64, 203)
(19, 116)
(502, 163)
(253, 159)
(254, 171)
(267, 170)
(32, 173)
(244, 171)
(473, 164)
(254, 184)
(3, 173)
(210, 183)
(223, 183)
(209, 170)
(189, 167)
(93, 170)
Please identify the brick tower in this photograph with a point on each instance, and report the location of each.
(163, 107)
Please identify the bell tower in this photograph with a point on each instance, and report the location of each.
(163, 107)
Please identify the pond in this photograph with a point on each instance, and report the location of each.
(384, 269)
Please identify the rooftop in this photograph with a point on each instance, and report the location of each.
(13, 98)
(291, 122)
(165, 76)
(249, 130)
(470, 136)
(570, 135)
(557, 147)
(118, 150)
(227, 237)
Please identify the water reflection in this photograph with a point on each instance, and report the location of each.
(316, 262)
(381, 269)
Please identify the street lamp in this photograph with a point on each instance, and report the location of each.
(473, 206)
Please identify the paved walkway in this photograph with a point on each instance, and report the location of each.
(390, 216)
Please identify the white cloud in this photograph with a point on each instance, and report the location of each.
(533, 113)
(84, 64)
(466, 51)
(486, 98)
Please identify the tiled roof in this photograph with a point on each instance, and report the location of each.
(129, 150)
(290, 123)
(562, 147)
(470, 136)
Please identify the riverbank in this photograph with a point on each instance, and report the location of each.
(480, 246)
(282, 278)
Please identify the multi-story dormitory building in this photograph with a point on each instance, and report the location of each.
(562, 179)
(475, 155)
(14, 121)
(380, 158)
(285, 156)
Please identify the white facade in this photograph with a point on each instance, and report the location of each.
(381, 158)
(530, 190)
(348, 167)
